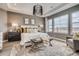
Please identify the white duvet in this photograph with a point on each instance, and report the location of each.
(25, 37)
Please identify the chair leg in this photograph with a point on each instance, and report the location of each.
(50, 44)
(67, 44)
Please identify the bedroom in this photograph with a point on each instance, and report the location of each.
(20, 27)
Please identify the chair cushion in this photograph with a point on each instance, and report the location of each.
(70, 40)
(28, 44)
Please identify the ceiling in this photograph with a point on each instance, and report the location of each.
(27, 8)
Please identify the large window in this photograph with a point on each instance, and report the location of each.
(75, 22)
(49, 25)
(61, 24)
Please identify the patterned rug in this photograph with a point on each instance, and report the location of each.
(58, 48)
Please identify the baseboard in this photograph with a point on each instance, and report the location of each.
(58, 39)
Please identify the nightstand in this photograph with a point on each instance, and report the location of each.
(14, 36)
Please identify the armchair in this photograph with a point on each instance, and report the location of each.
(73, 42)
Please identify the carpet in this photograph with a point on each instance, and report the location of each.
(58, 48)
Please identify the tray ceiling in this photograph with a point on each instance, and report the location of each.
(27, 8)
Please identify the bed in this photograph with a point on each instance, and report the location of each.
(31, 32)
(25, 37)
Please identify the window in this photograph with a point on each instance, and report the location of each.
(49, 25)
(32, 21)
(75, 22)
(26, 21)
(61, 24)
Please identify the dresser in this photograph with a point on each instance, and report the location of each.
(14, 36)
(1, 40)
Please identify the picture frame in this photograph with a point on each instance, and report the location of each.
(26, 21)
(32, 21)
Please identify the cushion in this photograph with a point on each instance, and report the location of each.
(70, 40)
(28, 44)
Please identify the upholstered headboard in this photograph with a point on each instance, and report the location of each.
(29, 28)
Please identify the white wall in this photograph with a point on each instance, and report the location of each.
(3, 21)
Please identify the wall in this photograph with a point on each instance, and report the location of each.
(3, 20)
(69, 12)
(19, 19)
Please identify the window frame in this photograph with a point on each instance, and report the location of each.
(61, 26)
(50, 25)
(72, 18)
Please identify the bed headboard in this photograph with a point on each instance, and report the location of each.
(29, 28)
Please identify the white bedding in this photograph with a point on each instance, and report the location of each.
(25, 37)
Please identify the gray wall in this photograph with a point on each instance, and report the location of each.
(3, 20)
(19, 19)
(68, 11)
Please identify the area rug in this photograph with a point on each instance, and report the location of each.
(58, 48)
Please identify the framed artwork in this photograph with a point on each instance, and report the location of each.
(26, 21)
(32, 21)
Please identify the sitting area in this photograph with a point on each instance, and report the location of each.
(73, 42)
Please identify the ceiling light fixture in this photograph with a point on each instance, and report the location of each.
(37, 10)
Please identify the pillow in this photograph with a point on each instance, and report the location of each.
(25, 30)
(76, 36)
(21, 29)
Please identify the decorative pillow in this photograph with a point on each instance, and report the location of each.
(76, 36)
(25, 30)
(21, 29)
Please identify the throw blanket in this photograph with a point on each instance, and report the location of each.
(25, 37)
